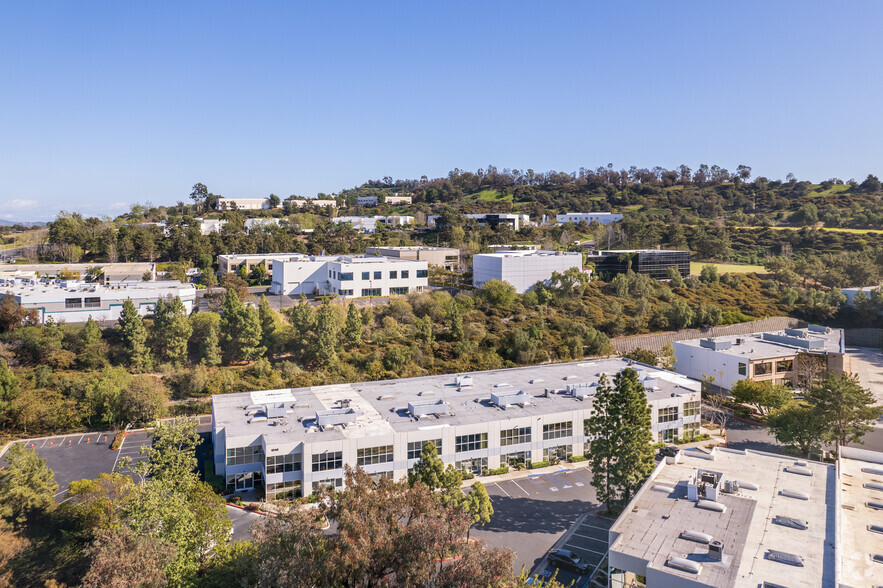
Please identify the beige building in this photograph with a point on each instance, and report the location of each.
(105, 273)
(446, 257)
(244, 203)
(235, 262)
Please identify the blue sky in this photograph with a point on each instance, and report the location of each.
(104, 104)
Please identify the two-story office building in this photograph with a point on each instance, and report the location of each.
(602, 218)
(293, 440)
(348, 276)
(652, 262)
(446, 257)
(243, 203)
(368, 224)
(523, 269)
(234, 262)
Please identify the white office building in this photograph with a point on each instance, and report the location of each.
(602, 218)
(348, 276)
(301, 202)
(368, 224)
(243, 203)
(293, 440)
(516, 221)
(75, 301)
(522, 269)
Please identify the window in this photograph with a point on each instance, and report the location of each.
(284, 490)
(669, 435)
(377, 476)
(422, 273)
(559, 452)
(471, 442)
(346, 276)
(244, 455)
(330, 460)
(92, 303)
(557, 430)
(415, 448)
(378, 275)
(374, 455)
(335, 483)
(474, 466)
(514, 436)
(405, 274)
(345, 292)
(762, 369)
(277, 464)
(393, 275)
(513, 459)
(400, 291)
(370, 291)
(73, 302)
(366, 275)
(668, 415)
(691, 408)
(743, 369)
(691, 430)
(786, 365)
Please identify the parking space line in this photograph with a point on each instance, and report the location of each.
(590, 538)
(503, 489)
(577, 547)
(45, 441)
(520, 488)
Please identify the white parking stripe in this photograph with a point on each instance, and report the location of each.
(503, 489)
(81, 439)
(577, 547)
(520, 488)
(590, 538)
(594, 527)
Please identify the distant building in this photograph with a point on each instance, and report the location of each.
(515, 247)
(439, 256)
(652, 262)
(868, 291)
(368, 224)
(396, 199)
(764, 357)
(105, 273)
(234, 262)
(602, 218)
(207, 226)
(256, 224)
(75, 301)
(301, 202)
(375, 200)
(292, 441)
(243, 203)
(522, 269)
(516, 221)
(348, 276)
(367, 200)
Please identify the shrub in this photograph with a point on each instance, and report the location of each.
(539, 464)
(117, 441)
(499, 471)
(577, 458)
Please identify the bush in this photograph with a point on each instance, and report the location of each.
(499, 471)
(539, 464)
(212, 479)
(577, 458)
(118, 441)
(237, 500)
(468, 476)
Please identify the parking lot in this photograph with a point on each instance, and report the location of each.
(532, 513)
(588, 540)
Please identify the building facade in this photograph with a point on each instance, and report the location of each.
(348, 276)
(75, 301)
(602, 218)
(446, 257)
(301, 202)
(522, 269)
(103, 273)
(293, 440)
(234, 262)
(243, 203)
(368, 224)
(652, 262)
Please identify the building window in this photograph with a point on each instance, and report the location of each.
(284, 490)
(346, 276)
(366, 275)
(92, 303)
(669, 435)
(334, 483)
(474, 466)
(668, 414)
(405, 274)
(330, 460)
(691, 430)
(244, 455)
(471, 442)
(559, 452)
(415, 448)
(743, 369)
(557, 430)
(378, 275)
(374, 455)
(278, 464)
(422, 273)
(514, 436)
(345, 292)
(73, 303)
(762, 369)
(691, 408)
(400, 291)
(370, 291)
(377, 476)
(519, 458)
(393, 275)
(786, 365)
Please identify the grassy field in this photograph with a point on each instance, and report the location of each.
(833, 229)
(492, 196)
(725, 268)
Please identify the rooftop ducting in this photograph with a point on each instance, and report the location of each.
(697, 536)
(794, 341)
(876, 471)
(715, 345)
(583, 390)
(420, 408)
(510, 397)
(800, 470)
(794, 494)
(796, 333)
(818, 329)
(337, 416)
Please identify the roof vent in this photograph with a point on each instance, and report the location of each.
(337, 416)
(685, 565)
(503, 385)
(661, 488)
(420, 408)
(794, 494)
(427, 393)
(510, 397)
(696, 536)
(784, 557)
(791, 522)
(748, 485)
(712, 505)
(715, 345)
(877, 471)
(873, 486)
(385, 396)
(801, 470)
(463, 381)
(537, 381)
(276, 410)
(875, 505)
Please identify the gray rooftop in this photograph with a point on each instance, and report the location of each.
(861, 483)
(462, 399)
(814, 339)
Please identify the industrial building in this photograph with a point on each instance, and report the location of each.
(291, 441)
(234, 262)
(75, 301)
(445, 257)
(522, 269)
(652, 262)
(348, 276)
(773, 357)
(104, 273)
(224, 203)
(602, 218)
(368, 224)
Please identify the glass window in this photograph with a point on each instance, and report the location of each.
(370, 291)
(559, 451)
(786, 365)
(415, 448)
(405, 274)
(92, 303)
(514, 436)
(335, 483)
(474, 466)
(691, 430)
(513, 459)
(284, 490)
(400, 291)
(393, 275)
(346, 276)
(374, 455)
(743, 369)
(330, 460)
(277, 464)
(422, 273)
(557, 430)
(762, 369)
(366, 275)
(346, 292)
(471, 442)
(691, 408)
(73, 302)
(668, 415)
(244, 455)
(378, 275)
(669, 435)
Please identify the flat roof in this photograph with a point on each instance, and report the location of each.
(615, 251)
(530, 253)
(257, 255)
(651, 528)
(385, 403)
(412, 248)
(300, 258)
(858, 469)
(755, 346)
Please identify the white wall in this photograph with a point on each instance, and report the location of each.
(522, 271)
(700, 363)
(298, 277)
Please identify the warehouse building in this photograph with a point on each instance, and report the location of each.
(75, 301)
(105, 273)
(293, 440)
(445, 257)
(652, 262)
(234, 262)
(348, 276)
(602, 218)
(777, 357)
(522, 269)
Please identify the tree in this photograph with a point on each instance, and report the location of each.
(8, 391)
(121, 558)
(667, 358)
(848, 409)
(798, 424)
(601, 428)
(259, 273)
(27, 485)
(199, 195)
(274, 201)
(680, 314)
(709, 274)
(209, 350)
(352, 330)
(231, 281)
(761, 395)
(134, 337)
(634, 454)
(248, 339)
(326, 334)
(269, 324)
(497, 294)
(171, 330)
(642, 356)
(478, 505)
(12, 315)
(93, 350)
(232, 317)
(142, 401)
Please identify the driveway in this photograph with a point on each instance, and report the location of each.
(867, 362)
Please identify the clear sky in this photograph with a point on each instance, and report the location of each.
(103, 104)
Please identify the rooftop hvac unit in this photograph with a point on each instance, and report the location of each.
(583, 390)
(715, 345)
(419, 408)
(818, 329)
(794, 341)
(731, 486)
(510, 397)
(697, 537)
(275, 411)
(712, 505)
(463, 381)
(796, 333)
(785, 557)
(684, 564)
(791, 522)
(337, 416)
(716, 551)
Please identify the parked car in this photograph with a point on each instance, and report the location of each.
(668, 451)
(564, 558)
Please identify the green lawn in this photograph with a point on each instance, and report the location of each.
(492, 196)
(725, 268)
(833, 229)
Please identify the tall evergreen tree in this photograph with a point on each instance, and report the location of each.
(478, 505)
(429, 469)
(848, 409)
(171, 330)
(327, 331)
(8, 391)
(268, 324)
(134, 336)
(209, 349)
(232, 316)
(26, 484)
(634, 453)
(352, 330)
(303, 320)
(93, 351)
(601, 428)
(248, 339)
